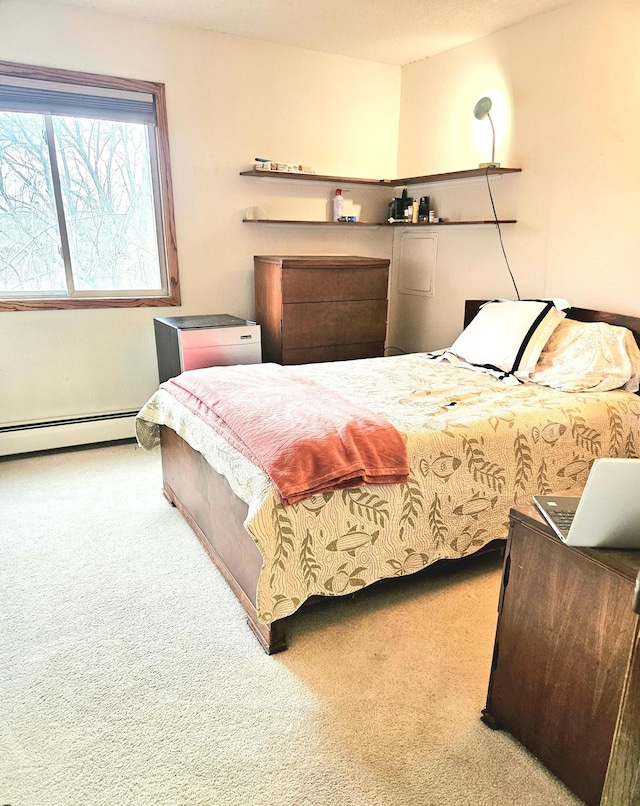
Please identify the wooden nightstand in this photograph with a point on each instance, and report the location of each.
(565, 676)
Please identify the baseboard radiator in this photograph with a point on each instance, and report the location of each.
(84, 430)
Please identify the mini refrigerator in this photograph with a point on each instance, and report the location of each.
(193, 342)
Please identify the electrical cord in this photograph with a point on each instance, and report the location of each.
(495, 215)
(390, 347)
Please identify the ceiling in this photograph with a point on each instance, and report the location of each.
(389, 31)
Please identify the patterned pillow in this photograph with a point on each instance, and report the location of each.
(509, 336)
(589, 356)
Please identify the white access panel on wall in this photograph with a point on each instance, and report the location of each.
(415, 257)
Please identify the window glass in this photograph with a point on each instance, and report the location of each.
(105, 179)
(30, 251)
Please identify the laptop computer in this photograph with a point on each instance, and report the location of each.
(606, 515)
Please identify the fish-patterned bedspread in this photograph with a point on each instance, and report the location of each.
(476, 447)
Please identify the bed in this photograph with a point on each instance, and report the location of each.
(476, 447)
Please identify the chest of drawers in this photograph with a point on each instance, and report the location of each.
(321, 308)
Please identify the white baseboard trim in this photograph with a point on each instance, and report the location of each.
(49, 436)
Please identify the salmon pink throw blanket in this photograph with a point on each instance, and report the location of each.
(307, 438)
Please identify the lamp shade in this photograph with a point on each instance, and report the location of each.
(482, 108)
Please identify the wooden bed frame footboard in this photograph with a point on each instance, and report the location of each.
(216, 515)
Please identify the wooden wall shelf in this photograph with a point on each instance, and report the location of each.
(315, 223)
(374, 224)
(448, 223)
(412, 180)
(344, 180)
(453, 175)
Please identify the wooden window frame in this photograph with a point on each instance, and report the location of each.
(172, 297)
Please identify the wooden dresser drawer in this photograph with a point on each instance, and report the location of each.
(311, 285)
(336, 352)
(314, 324)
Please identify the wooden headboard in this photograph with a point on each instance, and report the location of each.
(472, 306)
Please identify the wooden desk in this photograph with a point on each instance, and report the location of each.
(565, 676)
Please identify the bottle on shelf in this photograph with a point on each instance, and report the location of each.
(338, 204)
(414, 211)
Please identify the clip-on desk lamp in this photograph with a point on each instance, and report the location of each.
(481, 111)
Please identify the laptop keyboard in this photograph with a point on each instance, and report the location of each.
(562, 518)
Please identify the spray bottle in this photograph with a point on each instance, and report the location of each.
(338, 205)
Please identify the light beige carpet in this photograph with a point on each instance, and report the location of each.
(129, 677)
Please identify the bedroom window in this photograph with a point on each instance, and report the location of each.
(86, 213)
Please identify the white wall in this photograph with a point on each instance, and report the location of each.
(566, 90)
(229, 100)
(565, 85)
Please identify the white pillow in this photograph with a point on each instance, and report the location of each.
(589, 356)
(509, 336)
